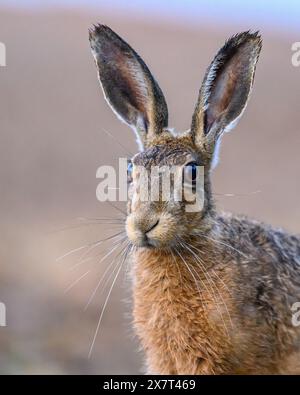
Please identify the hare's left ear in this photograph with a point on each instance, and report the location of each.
(128, 86)
(225, 90)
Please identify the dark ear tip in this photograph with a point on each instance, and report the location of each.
(98, 30)
(255, 37)
(242, 38)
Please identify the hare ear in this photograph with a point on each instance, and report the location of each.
(225, 90)
(128, 85)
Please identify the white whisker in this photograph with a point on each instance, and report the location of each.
(212, 284)
(224, 244)
(76, 282)
(104, 306)
(100, 281)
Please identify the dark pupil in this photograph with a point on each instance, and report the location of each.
(194, 171)
(129, 169)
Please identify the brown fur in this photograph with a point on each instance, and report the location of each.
(212, 292)
(238, 319)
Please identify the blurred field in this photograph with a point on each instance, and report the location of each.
(51, 143)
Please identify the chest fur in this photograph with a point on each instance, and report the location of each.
(180, 315)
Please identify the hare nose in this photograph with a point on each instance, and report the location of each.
(151, 227)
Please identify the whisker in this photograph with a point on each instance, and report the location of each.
(237, 194)
(91, 248)
(210, 281)
(101, 280)
(71, 252)
(76, 282)
(116, 219)
(214, 272)
(211, 288)
(111, 251)
(86, 246)
(103, 310)
(176, 263)
(116, 207)
(118, 142)
(72, 268)
(194, 278)
(131, 249)
(104, 306)
(81, 261)
(210, 285)
(196, 283)
(91, 222)
(224, 244)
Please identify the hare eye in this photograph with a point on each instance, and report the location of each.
(190, 173)
(129, 171)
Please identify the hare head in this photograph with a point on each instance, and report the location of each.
(136, 98)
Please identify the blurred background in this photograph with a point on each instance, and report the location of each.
(56, 130)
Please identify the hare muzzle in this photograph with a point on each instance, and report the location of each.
(145, 230)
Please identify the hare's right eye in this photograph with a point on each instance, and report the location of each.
(129, 171)
(190, 173)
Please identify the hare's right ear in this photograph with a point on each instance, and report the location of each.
(128, 85)
(225, 90)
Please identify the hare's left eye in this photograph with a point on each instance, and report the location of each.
(129, 171)
(190, 173)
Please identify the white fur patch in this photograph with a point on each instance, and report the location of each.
(216, 154)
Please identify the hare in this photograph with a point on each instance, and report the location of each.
(213, 293)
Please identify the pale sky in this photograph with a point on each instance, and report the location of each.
(278, 14)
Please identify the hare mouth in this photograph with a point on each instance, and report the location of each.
(151, 231)
(148, 242)
(153, 243)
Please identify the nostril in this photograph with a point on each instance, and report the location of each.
(152, 227)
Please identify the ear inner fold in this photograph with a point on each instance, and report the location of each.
(226, 88)
(128, 86)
